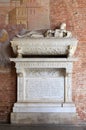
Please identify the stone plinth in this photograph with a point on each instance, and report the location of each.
(43, 118)
(44, 91)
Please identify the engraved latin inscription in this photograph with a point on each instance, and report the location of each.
(45, 86)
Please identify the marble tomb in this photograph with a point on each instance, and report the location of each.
(44, 85)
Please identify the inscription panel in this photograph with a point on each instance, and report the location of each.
(44, 87)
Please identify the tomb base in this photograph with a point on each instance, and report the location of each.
(25, 114)
(44, 91)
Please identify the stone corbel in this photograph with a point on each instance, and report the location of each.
(71, 50)
(19, 52)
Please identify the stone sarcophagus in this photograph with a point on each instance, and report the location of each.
(44, 46)
(44, 85)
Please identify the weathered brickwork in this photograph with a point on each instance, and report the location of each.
(73, 12)
(7, 93)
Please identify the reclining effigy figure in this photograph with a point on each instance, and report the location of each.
(31, 34)
(57, 33)
(62, 32)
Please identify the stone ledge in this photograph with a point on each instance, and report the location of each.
(46, 108)
(44, 59)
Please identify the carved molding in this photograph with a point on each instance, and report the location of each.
(44, 72)
(41, 65)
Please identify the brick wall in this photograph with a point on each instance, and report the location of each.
(73, 12)
(7, 92)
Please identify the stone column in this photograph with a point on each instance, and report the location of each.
(20, 85)
(68, 86)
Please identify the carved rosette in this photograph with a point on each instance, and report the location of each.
(20, 73)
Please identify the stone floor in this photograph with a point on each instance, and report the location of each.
(41, 127)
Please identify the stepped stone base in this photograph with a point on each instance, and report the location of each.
(43, 118)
